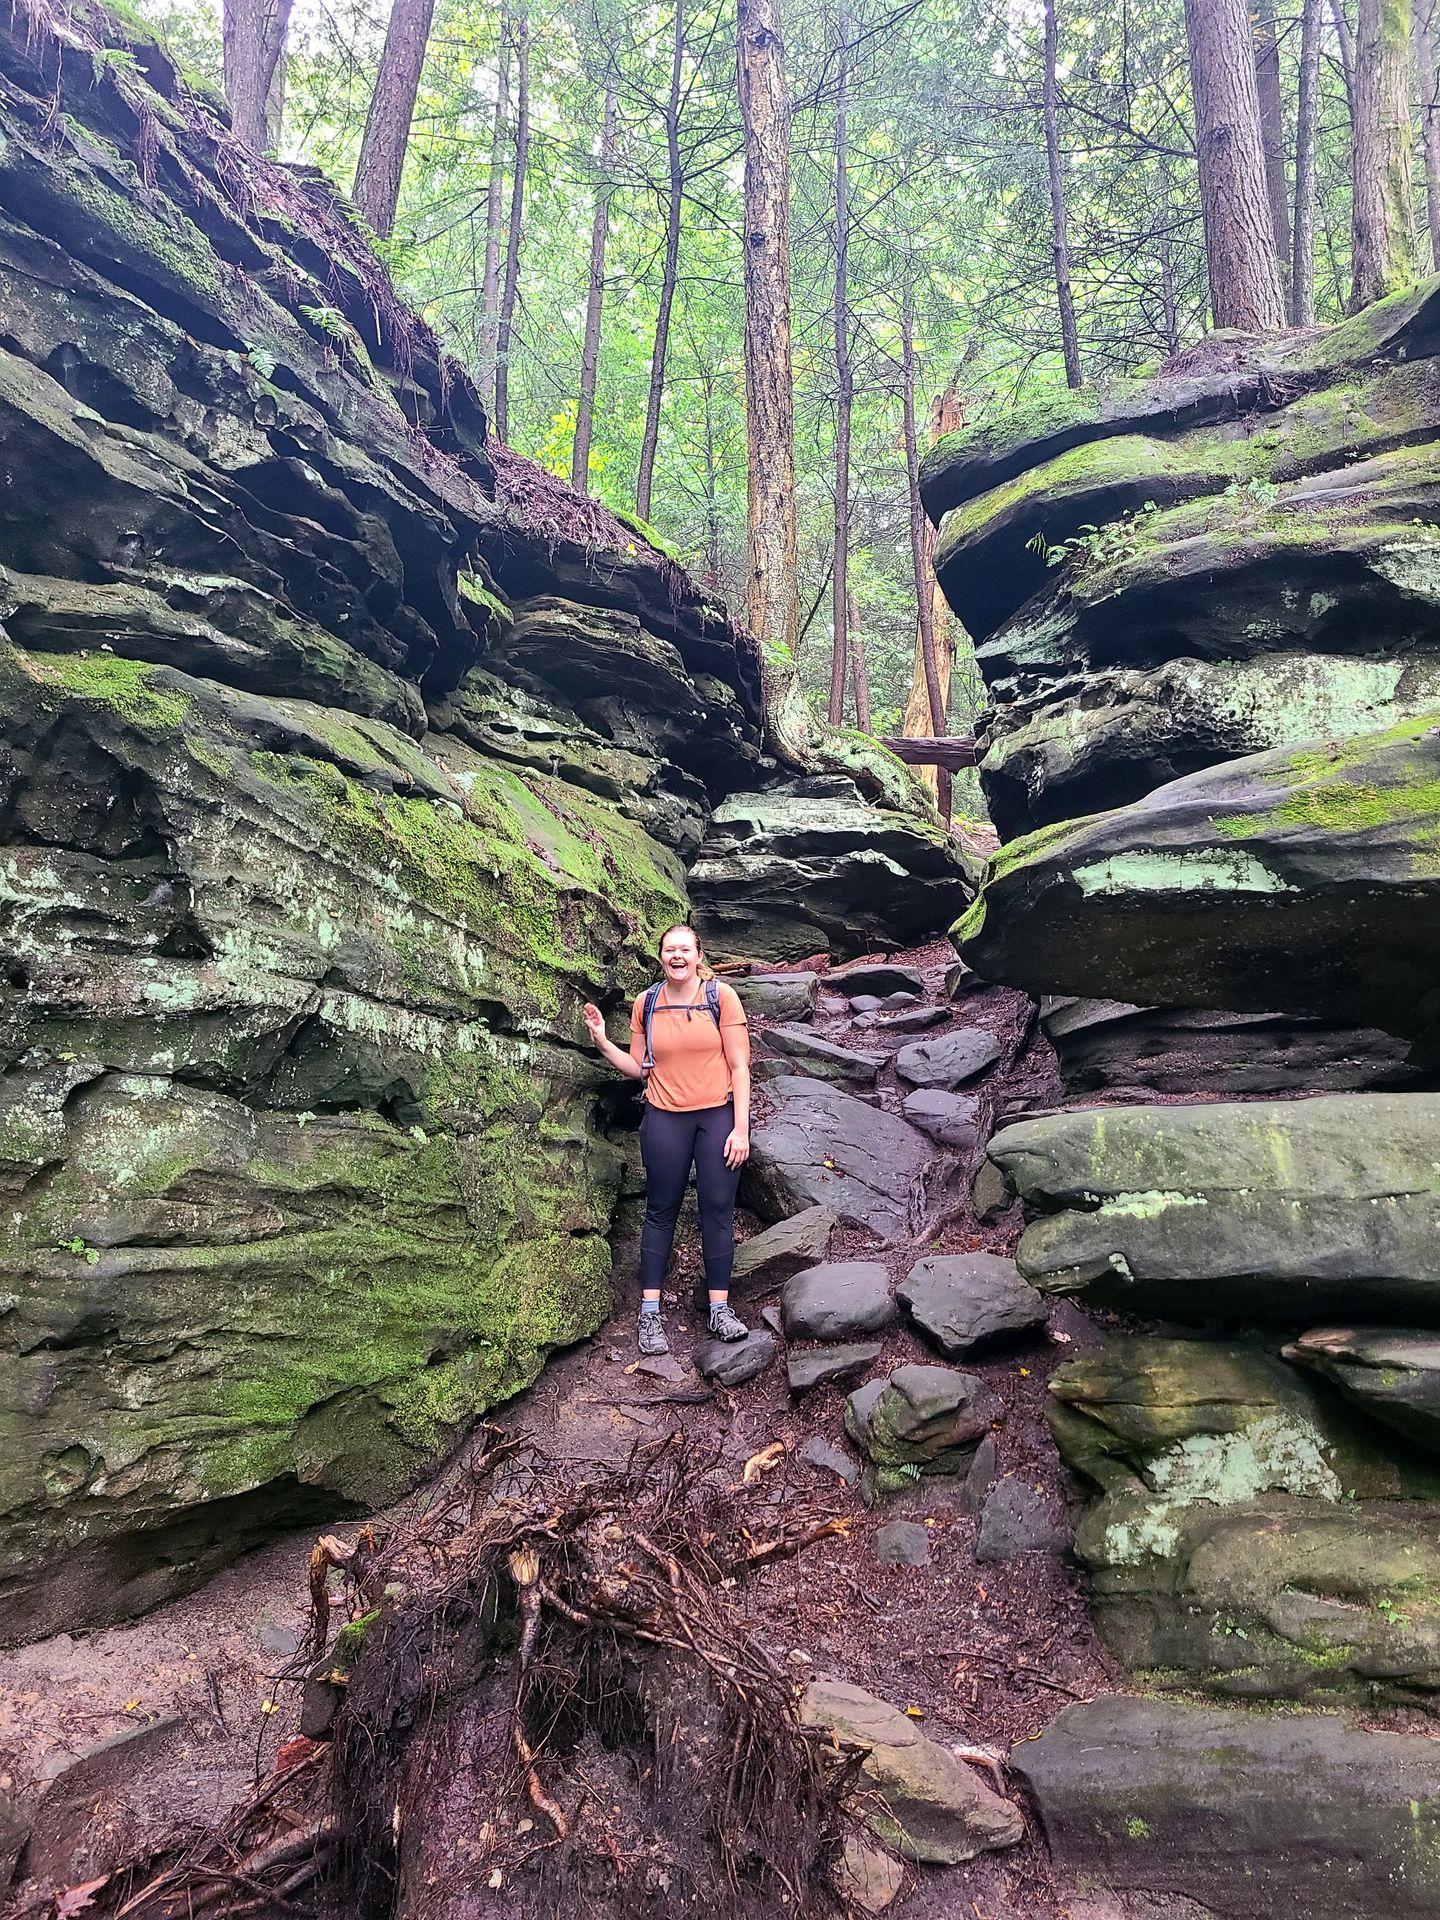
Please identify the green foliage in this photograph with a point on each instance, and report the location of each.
(1101, 546)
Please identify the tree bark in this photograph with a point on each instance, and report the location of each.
(650, 439)
(930, 677)
(772, 585)
(392, 108)
(494, 210)
(1429, 89)
(859, 671)
(1345, 40)
(1272, 130)
(844, 387)
(590, 350)
(1059, 220)
(1239, 241)
(1382, 250)
(253, 49)
(506, 332)
(1302, 260)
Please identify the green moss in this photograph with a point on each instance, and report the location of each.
(1321, 788)
(971, 923)
(350, 1640)
(126, 685)
(649, 534)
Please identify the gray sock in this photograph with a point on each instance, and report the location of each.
(649, 1306)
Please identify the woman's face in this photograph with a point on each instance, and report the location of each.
(679, 954)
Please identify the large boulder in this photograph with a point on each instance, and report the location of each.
(1279, 1211)
(916, 1796)
(964, 1301)
(951, 1060)
(817, 1145)
(344, 756)
(922, 1420)
(836, 1300)
(1394, 1375)
(1252, 1816)
(805, 1052)
(811, 867)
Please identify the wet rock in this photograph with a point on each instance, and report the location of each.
(949, 1060)
(824, 1453)
(809, 866)
(663, 1366)
(1394, 1375)
(875, 980)
(1017, 1518)
(922, 1420)
(902, 1543)
(990, 1195)
(953, 1119)
(1300, 1817)
(819, 1145)
(918, 1020)
(769, 1258)
(963, 1301)
(829, 1364)
(933, 1807)
(777, 996)
(837, 1299)
(808, 1053)
(732, 1362)
(1260, 1210)
(868, 1876)
(984, 1466)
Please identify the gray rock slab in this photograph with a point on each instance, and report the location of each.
(823, 1453)
(1017, 1518)
(950, 1059)
(963, 1301)
(1255, 1816)
(902, 1543)
(917, 1020)
(877, 978)
(823, 1058)
(732, 1362)
(1393, 1374)
(777, 996)
(819, 1145)
(825, 1365)
(769, 1258)
(836, 1300)
(953, 1119)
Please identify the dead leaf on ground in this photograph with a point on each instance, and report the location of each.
(762, 1462)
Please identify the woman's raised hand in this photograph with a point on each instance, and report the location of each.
(594, 1020)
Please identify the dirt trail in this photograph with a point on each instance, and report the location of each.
(987, 1653)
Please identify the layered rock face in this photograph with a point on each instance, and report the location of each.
(341, 764)
(1208, 612)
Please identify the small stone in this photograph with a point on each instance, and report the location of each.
(950, 1059)
(981, 1477)
(824, 1453)
(899, 1000)
(876, 978)
(902, 1543)
(771, 1317)
(768, 1259)
(1016, 1519)
(917, 1020)
(823, 1365)
(837, 1299)
(866, 1003)
(281, 1640)
(732, 1362)
(663, 1366)
(990, 1194)
(963, 1301)
(951, 1118)
(866, 1875)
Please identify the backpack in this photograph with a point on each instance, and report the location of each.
(647, 1015)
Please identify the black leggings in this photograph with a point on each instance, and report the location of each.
(668, 1143)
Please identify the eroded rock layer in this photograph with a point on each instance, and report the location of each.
(342, 759)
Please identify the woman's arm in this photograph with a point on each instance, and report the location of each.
(620, 1060)
(736, 1042)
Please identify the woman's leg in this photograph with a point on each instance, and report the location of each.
(667, 1144)
(715, 1186)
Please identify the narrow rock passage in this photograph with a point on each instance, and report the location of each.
(950, 1599)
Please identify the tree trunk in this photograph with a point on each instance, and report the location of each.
(712, 475)
(1272, 130)
(772, 586)
(494, 206)
(1382, 247)
(1059, 221)
(844, 388)
(930, 677)
(590, 351)
(511, 291)
(392, 108)
(860, 673)
(253, 48)
(650, 439)
(1169, 300)
(1302, 261)
(1345, 39)
(1429, 88)
(1239, 241)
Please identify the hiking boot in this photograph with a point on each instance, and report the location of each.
(650, 1335)
(725, 1323)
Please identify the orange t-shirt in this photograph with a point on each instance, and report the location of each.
(690, 1068)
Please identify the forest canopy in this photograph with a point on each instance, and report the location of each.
(987, 200)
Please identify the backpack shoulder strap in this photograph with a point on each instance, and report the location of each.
(712, 1000)
(647, 1017)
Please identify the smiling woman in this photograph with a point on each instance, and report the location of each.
(690, 1044)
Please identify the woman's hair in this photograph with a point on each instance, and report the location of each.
(684, 926)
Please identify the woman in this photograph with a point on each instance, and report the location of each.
(695, 1062)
